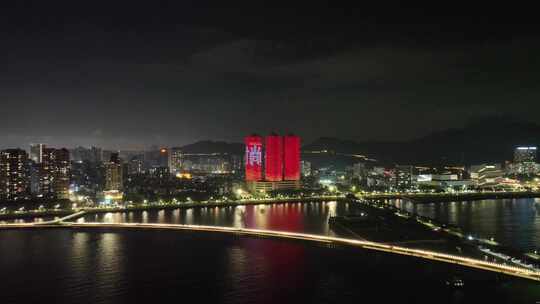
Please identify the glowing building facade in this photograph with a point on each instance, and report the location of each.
(273, 158)
(281, 162)
(253, 161)
(292, 157)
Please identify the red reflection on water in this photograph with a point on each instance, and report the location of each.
(285, 217)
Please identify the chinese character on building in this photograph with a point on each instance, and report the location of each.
(254, 154)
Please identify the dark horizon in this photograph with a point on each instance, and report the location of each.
(128, 77)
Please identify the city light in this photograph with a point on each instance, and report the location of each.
(386, 129)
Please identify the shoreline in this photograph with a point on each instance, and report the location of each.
(415, 198)
(168, 206)
(426, 198)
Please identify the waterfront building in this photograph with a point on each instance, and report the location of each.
(525, 154)
(236, 163)
(291, 155)
(403, 177)
(306, 168)
(281, 159)
(253, 160)
(14, 175)
(113, 174)
(486, 175)
(204, 163)
(273, 159)
(177, 159)
(54, 173)
(525, 161)
(359, 171)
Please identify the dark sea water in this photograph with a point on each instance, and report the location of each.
(105, 266)
(512, 222)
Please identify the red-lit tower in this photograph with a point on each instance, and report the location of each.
(253, 158)
(273, 158)
(291, 144)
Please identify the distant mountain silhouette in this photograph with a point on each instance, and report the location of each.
(482, 140)
(487, 139)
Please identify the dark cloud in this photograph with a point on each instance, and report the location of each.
(127, 76)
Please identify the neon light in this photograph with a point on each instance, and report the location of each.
(253, 158)
(274, 158)
(292, 157)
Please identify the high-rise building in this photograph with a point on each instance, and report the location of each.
(281, 159)
(360, 171)
(96, 155)
(291, 153)
(36, 152)
(525, 161)
(83, 154)
(404, 177)
(164, 158)
(253, 161)
(525, 154)
(54, 173)
(113, 174)
(14, 175)
(177, 159)
(306, 168)
(135, 167)
(236, 162)
(273, 160)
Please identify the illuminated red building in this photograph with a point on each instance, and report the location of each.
(291, 155)
(281, 163)
(253, 158)
(273, 158)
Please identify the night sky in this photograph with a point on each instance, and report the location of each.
(126, 76)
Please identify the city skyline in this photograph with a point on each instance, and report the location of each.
(259, 152)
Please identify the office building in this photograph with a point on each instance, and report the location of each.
(525, 154)
(177, 160)
(403, 177)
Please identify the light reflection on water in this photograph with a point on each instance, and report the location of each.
(512, 222)
(309, 217)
